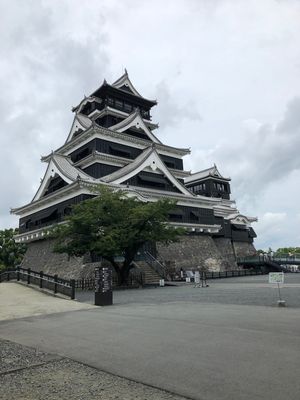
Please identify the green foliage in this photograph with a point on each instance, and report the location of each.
(288, 250)
(261, 251)
(113, 224)
(281, 250)
(11, 253)
(2, 268)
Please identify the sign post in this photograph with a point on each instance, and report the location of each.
(277, 278)
(103, 286)
(197, 278)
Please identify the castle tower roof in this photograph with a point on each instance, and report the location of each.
(211, 172)
(122, 84)
(135, 120)
(148, 159)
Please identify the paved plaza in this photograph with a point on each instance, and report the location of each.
(19, 301)
(250, 290)
(227, 341)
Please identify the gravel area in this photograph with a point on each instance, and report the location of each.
(15, 356)
(29, 374)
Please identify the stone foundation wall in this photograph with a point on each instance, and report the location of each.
(226, 249)
(40, 257)
(191, 252)
(196, 252)
(244, 249)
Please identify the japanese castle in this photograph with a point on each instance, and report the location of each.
(113, 142)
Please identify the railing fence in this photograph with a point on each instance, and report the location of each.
(135, 280)
(155, 264)
(278, 258)
(231, 274)
(50, 282)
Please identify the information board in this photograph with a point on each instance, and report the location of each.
(103, 286)
(276, 277)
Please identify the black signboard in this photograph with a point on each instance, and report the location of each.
(103, 286)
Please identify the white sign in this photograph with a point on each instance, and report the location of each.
(197, 277)
(276, 277)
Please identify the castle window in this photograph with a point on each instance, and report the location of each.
(119, 103)
(82, 154)
(110, 101)
(193, 217)
(116, 151)
(127, 107)
(170, 164)
(176, 215)
(220, 187)
(155, 181)
(199, 188)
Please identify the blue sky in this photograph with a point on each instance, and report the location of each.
(225, 74)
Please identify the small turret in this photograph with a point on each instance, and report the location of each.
(209, 183)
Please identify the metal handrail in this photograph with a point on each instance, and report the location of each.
(41, 277)
(156, 265)
(288, 259)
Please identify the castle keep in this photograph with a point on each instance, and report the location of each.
(113, 142)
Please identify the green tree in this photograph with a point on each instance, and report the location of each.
(113, 224)
(288, 250)
(11, 253)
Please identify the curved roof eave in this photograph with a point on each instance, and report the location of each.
(149, 158)
(125, 81)
(129, 122)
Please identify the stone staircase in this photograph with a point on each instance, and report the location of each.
(151, 276)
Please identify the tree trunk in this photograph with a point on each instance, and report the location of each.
(123, 271)
(129, 257)
(117, 269)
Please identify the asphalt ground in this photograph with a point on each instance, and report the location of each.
(251, 290)
(192, 342)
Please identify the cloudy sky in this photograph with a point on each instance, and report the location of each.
(226, 74)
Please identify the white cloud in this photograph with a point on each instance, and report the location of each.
(272, 220)
(266, 153)
(223, 72)
(272, 224)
